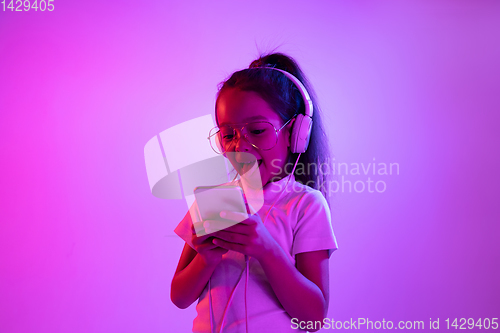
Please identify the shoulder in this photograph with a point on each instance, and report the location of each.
(307, 197)
(313, 230)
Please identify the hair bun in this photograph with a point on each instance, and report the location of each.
(276, 60)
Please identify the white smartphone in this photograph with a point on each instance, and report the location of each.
(212, 200)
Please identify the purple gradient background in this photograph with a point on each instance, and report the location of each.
(85, 247)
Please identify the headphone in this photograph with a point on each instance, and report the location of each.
(301, 131)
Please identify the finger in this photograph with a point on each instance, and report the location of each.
(233, 216)
(229, 246)
(200, 239)
(219, 250)
(211, 226)
(208, 246)
(252, 219)
(197, 228)
(239, 228)
(231, 237)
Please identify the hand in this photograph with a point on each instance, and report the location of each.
(209, 252)
(249, 236)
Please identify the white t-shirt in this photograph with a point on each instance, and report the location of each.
(300, 222)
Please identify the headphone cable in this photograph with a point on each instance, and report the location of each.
(247, 268)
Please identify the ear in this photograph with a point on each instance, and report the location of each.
(288, 132)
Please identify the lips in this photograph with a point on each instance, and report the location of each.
(247, 166)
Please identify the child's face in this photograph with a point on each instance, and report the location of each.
(234, 107)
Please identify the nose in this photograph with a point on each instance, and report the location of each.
(241, 143)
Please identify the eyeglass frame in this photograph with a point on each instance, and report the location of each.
(245, 135)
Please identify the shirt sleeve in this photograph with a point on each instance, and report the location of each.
(314, 231)
(185, 228)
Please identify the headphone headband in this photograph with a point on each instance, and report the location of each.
(301, 132)
(303, 91)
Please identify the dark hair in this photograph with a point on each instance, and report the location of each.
(285, 99)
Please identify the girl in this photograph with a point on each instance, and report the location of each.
(270, 272)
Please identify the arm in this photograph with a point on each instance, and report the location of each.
(308, 280)
(194, 270)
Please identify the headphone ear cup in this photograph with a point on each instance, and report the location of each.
(301, 134)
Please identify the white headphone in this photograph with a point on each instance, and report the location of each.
(301, 132)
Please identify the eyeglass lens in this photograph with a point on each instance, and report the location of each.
(261, 135)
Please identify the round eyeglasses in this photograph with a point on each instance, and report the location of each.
(260, 134)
